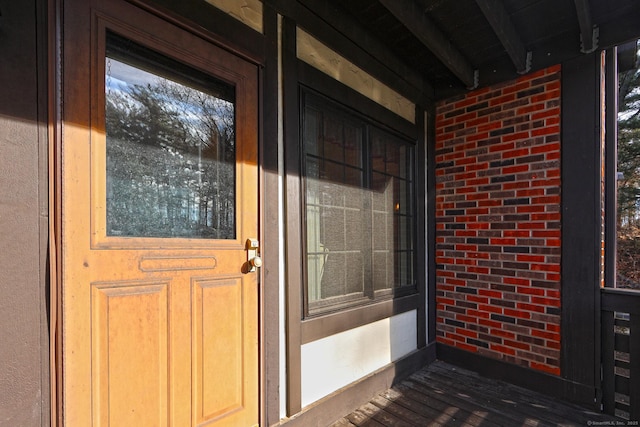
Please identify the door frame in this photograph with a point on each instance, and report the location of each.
(215, 26)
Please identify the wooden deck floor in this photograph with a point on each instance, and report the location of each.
(444, 395)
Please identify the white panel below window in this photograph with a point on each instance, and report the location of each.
(338, 360)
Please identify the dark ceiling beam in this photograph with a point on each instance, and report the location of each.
(588, 33)
(415, 20)
(503, 27)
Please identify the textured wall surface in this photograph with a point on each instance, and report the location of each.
(23, 343)
(498, 221)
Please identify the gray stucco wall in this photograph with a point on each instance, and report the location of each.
(24, 377)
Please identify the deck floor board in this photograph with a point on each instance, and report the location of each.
(444, 395)
(505, 401)
(473, 414)
(501, 396)
(413, 418)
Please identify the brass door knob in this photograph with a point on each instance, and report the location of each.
(256, 261)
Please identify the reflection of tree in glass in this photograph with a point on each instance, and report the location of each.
(170, 162)
(628, 265)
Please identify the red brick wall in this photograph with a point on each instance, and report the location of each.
(498, 221)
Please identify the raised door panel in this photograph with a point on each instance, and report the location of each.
(130, 348)
(217, 348)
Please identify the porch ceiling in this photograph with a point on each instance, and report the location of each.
(459, 44)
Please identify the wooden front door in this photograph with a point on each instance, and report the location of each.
(159, 193)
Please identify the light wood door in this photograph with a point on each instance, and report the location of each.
(159, 193)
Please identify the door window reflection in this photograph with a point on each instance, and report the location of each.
(170, 147)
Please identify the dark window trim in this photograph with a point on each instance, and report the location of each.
(299, 332)
(319, 327)
(426, 209)
(611, 165)
(293, 221)
(314, 99)
(270, 225)
(339, 98)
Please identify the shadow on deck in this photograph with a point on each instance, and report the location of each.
(444, 395)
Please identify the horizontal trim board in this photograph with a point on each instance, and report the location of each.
(337, 91)
(540, 382)
(320, 56)
(249, 12)
(351, 397)
(624, 300)
(330, 324)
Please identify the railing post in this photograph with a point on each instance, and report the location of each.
(608, 363)
(621, 353)
(634, 367)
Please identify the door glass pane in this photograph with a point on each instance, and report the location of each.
(170, 137)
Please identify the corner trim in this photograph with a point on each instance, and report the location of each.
(581, 218)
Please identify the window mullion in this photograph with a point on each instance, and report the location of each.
(367, 214)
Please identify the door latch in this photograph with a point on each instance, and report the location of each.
(254, 261)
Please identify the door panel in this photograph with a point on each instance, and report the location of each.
(130, 361)
(158, 197)
(219, 321)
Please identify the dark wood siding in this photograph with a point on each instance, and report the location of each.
(581, 229)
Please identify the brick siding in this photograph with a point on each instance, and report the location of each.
(498, 221)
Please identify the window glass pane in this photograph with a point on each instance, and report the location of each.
(170, 137)
(628, 171)
(333, 231)
(382, 270)
(402, 197)
(333, 172)
(312, 134)
(406, 163)
(353, 177)
(352, 146)
(377, 153)
(359, 212)
(355, 273)
(392, 159)
(333, 139)
(403, 270)
(333, 278)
